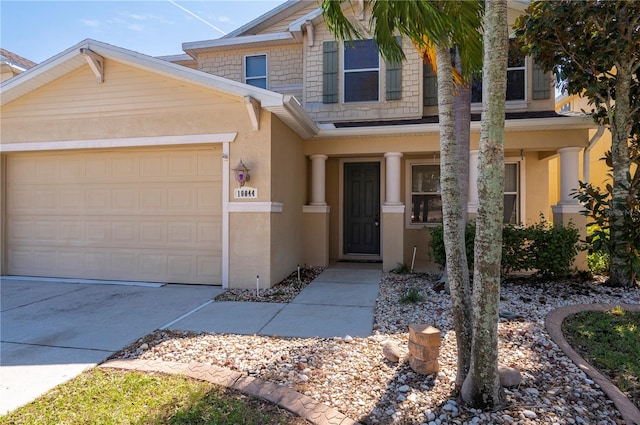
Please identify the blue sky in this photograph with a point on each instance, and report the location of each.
(38, 30)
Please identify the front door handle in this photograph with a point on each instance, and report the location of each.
(376, 222)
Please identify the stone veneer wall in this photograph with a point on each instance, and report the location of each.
(284, 66)
(409, 106)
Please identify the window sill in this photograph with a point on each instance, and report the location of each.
(510, 104)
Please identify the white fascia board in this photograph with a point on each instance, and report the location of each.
(294, 116)
(297, 24)
(176, 58)
(189, 139)
(531, 124)
(41, 74)
(271, 17)
(212, 45)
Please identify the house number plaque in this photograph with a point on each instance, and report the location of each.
(245, 192)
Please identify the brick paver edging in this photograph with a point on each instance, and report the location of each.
(300, 404)
(553, 323)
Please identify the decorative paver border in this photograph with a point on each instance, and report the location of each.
(553, 323)
(307, 408)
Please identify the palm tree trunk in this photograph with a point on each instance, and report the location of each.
(481, 388)
(453, 215)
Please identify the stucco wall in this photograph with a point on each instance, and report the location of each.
(288, 181)
(130, 103)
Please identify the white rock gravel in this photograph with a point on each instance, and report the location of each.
(352, 375)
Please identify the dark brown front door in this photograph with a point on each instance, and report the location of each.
(362, 208)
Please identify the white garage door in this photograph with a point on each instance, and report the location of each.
(138, 214)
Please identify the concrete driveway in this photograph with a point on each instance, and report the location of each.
(50, 332)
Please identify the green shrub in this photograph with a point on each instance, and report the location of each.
(549, 250)
(552, 248)
(401, 268)
(602, 209)
(516, 252)
(598, 261)
(437, 244)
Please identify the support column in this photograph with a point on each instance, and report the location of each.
(318, 179)
(315, 217)
(392, 214)
(567, 210)
(472, 203)
(393, 168)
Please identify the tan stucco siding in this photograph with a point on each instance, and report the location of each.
(130, 103)
(284, 66)
(249, 249)
(288, 186)
(535, 188)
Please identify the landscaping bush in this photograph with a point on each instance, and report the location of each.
(548, 250)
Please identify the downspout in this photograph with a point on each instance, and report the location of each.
(225, 215)
(587, 154)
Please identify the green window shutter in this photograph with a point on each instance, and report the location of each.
(330, 72)
(394, 77)
(430, 86)
(541, 83)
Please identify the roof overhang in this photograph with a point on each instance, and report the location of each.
(584, 122)
(272, 17)
(287, 108)
(278, 38)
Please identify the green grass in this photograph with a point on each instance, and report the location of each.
(412, 296)
(102, 396)
(610, 341)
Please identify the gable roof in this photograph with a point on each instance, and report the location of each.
(285, 107)
(273, 16)
(251, 34)
(15, 60)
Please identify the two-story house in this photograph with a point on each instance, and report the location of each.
(116, 165)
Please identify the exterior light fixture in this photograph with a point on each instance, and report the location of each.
(242, 173)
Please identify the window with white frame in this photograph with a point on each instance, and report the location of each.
(516, 77)
(426, 200)
(361, 71)
(511, 193)
(255, 71)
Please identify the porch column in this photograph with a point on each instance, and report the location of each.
(567, 210)
(392, 214)
(472, 202)
(315, 217)
(318, 179)
(393, 178)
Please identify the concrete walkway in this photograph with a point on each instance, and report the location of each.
(51, 329)
(339, 302)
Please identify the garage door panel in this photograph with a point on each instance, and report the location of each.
(91, 219)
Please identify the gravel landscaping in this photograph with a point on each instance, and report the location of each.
(353, 376)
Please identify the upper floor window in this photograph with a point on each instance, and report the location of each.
(516, 77)
(255, 71)
(361, 71)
